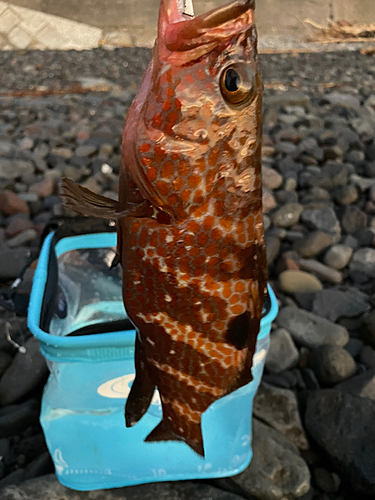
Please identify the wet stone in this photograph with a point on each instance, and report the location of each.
(321, 271)
(346, 195)
(271, 178)
(273, 247)
(23, 238)
(326, 481)
(277, 470)
(12, 262)
(288, 215)
(310, 330)
(11, 204)
(26, 373)
(330, 176)
(279, 408)
(338, 256)
(354, 347)
(321, 220)
(48, 487)
(298, 282)
(331, 364)
(282, 353)
(329, 416)
(17, 225)
(353, 220)
(362, 266)
(314, 243)
(333, 304)
(15, 419)
(362, 385)
(367, 357)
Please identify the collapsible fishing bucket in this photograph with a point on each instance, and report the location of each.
(76, 312)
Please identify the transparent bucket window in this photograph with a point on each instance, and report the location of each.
(89, 291)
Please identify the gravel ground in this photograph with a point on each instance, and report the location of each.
(315, 410)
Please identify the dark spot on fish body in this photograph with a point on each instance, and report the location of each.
(238, 331)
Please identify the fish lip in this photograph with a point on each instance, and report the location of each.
(213, 18)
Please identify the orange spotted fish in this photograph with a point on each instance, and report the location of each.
(190, 230)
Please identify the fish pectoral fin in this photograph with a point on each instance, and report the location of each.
(142, 390)
(86, 202)
(164, 432)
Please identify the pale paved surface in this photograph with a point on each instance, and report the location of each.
(85, 24)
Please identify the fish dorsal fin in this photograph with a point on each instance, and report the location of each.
(86, 202)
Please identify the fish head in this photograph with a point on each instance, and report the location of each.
(192, 138)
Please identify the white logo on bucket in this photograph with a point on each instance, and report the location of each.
(60, 463)
(119, 388)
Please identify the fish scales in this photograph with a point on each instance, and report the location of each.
(190, 228)
(194, 285)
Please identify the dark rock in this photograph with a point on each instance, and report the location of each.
(27, 236)
(353, 220)
(27, 372)
(326, 481)
(39, 467)
(282, 379)
(346, 195)
(367, 357)
(333, 304)
(344, 427)
(282, 353)
(279, 408)
(362, 385)
(287, 165)
(321, 220)
(354, 347)
(277, 470)
(331, 176)
(366, 237)
(310, 379)
(31, 447)
(313, 244)
(331, 364)
(16, 418)
(273, 248)
(362, 266)
(14, 478)
(5, 361)
(17, 224)
(288, 215)
(310, 330)
(48, 487)
(322, 272)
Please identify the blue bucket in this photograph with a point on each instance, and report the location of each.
(91, 374)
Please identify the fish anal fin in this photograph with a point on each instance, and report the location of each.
(90, 204)
(164, 432)
(141, 391)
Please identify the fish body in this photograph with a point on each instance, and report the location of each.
(195, 270)
(190, 228)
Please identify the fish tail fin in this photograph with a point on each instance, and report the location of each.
(164, 432)
(141, 391)
(86, 202)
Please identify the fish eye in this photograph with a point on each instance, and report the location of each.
(237, 83)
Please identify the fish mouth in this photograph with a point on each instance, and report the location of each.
(181, 31)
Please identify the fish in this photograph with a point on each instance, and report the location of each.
(190, 225)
